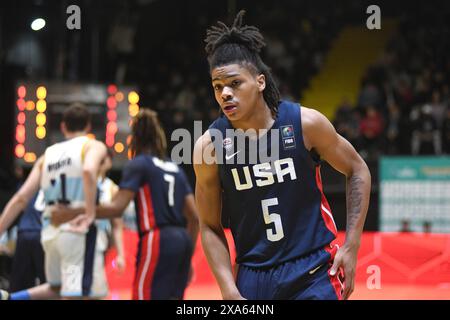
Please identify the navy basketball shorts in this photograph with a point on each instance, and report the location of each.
(163, 264)
(305, 278)
(28, 263)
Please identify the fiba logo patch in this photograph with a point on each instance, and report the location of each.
(287, 131)
(227, 144)
(287, 135)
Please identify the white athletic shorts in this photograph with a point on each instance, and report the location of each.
(73, 262)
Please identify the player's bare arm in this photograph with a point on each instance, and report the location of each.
(191, 214)
(95, 152)
(21, 198)
(117, 235)
(319, 134)
(209, 203)
(115, 209)
(118, 204)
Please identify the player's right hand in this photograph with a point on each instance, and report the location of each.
(120, 263)
(345, 262)
(61, 214)
(81, 223)
(191, 274)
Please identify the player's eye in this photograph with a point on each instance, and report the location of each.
(217, 87)
(235, 83)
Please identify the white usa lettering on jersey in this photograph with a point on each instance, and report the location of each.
(263, 174)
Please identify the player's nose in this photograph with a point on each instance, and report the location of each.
(227, 94)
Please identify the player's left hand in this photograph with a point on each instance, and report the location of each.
(345, 260)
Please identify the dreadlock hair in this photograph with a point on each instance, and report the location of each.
(241, 45)
(147, 134)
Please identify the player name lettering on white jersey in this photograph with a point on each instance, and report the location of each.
(62, 175)
(59, 164)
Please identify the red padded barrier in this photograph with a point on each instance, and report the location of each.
(405, 261)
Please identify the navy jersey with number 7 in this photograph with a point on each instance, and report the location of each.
(277, 210)
(165, 248)
(160, 187)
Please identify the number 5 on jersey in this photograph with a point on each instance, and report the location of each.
(272, 217)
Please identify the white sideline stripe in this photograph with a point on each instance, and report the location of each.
(329, 214)
(146, 265)
(144, 209)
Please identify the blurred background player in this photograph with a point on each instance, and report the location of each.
(165, 211)
(110, 231)
(28, 263)
(28, 259)
(67, 173)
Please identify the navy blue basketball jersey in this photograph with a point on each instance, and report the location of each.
(160, 187)
(30, 220)
(276, 208)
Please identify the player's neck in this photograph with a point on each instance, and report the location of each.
(260, 118)
(71, 135)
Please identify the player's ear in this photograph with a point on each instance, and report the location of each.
(63, 128)
(261, 82)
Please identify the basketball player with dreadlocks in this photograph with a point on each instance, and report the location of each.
(165, 210)
(281, 222)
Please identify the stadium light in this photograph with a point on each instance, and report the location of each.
(119, 96)
(41, 92)
(133, 110)
(30, 105)
(29, 157)
(133, 97)
(21, 104)
(111, 103)
(41, 106)
(119, 147)
(41, 119)
(112, 89)
(22, 92)
(21, 117)
(111, 115)
(20, 150)
(38, 24)
(109, 140)
(41, 132)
